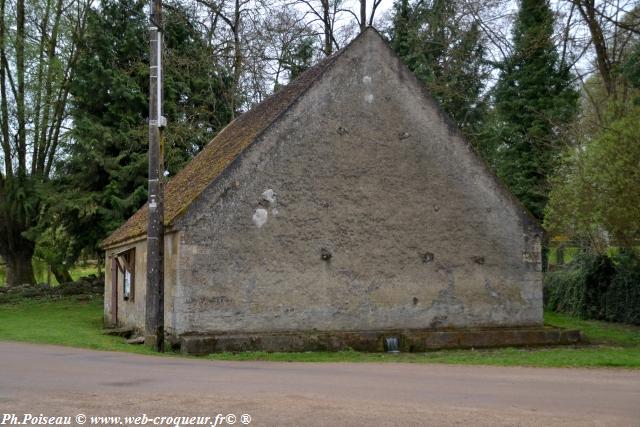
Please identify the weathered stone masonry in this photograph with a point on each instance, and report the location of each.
(358, 210)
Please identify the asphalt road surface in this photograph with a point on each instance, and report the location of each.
(60, 381)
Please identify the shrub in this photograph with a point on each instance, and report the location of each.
(622, 300)
(579, 288)
(595, 286)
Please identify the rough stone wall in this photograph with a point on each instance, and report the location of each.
(131, 314)
(171, 262)
(382, 218)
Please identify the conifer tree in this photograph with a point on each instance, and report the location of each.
(102, 178)
(534, 97)
(445, 50)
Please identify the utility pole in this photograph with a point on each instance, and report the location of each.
(154, 313)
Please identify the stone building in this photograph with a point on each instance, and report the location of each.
(342, 210)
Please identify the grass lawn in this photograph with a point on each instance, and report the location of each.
(72, 321)
(77, 322)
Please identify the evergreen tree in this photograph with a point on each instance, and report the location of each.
(534, 97)
(446, 52)
(299, 58)
(103, 175)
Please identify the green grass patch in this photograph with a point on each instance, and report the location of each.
(569, 254)
(591, 356)
(77, 322)
(598, 332)
(72, 321)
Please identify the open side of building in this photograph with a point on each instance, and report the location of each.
(344, 209)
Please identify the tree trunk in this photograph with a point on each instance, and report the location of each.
(62, 275)
(363, 15)
(328, 42)
(603, 57)
(19, 268)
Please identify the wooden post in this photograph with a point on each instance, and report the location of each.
(154, 313)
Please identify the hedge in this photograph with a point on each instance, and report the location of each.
(596, 286)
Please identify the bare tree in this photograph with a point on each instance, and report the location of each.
(39, 47)
(281, 36)
(334, 21)
(611, 25)
(231, 13)
(363, 13)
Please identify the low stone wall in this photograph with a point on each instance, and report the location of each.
(90, 285)
(374, 341)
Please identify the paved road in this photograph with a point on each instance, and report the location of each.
(54, 380)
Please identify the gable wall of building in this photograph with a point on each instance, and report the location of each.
(383, 219)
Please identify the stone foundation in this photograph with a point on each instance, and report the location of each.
(373, 341)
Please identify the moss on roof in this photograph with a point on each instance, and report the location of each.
(209, 164)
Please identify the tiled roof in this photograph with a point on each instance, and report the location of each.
(209, 164)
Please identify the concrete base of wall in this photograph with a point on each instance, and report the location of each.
(374, 341)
